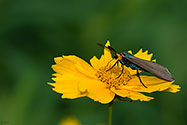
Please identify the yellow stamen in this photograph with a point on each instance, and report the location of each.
(110, 76)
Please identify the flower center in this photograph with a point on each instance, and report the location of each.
(112, 76)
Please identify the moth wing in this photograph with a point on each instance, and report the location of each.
(152, 67)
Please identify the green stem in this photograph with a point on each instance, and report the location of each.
(110, 113)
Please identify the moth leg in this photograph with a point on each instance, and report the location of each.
(109, 62)
(117, 64)
(112, 66)
(138, 75)
(121, 71)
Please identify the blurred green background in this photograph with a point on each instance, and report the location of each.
(33, 32)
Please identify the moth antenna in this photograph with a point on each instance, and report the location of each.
(108, 47)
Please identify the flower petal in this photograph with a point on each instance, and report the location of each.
(96, 90)
(107, 53)
(68, 86)
(94, 61)
(173, 88)
(131, 94)
(103, 61)
(143, 55)
(70, 120)
(153, 84)
(131, 71)
(73, 65)
(69, 70)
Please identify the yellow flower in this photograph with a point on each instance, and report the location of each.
(70, 121)
(75, 78)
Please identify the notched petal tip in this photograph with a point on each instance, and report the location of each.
(151, 54)
(134, 95)
(130, 51)
(107, 43)
(104, 59)
(58, 59)
(95, 62)
(173, 88)
(146, 52)
(154, 60)
(153, 84)
(143, 55)
(51, 84)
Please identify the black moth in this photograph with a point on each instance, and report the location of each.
(135, 63)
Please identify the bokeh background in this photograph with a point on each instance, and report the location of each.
(33, 32)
